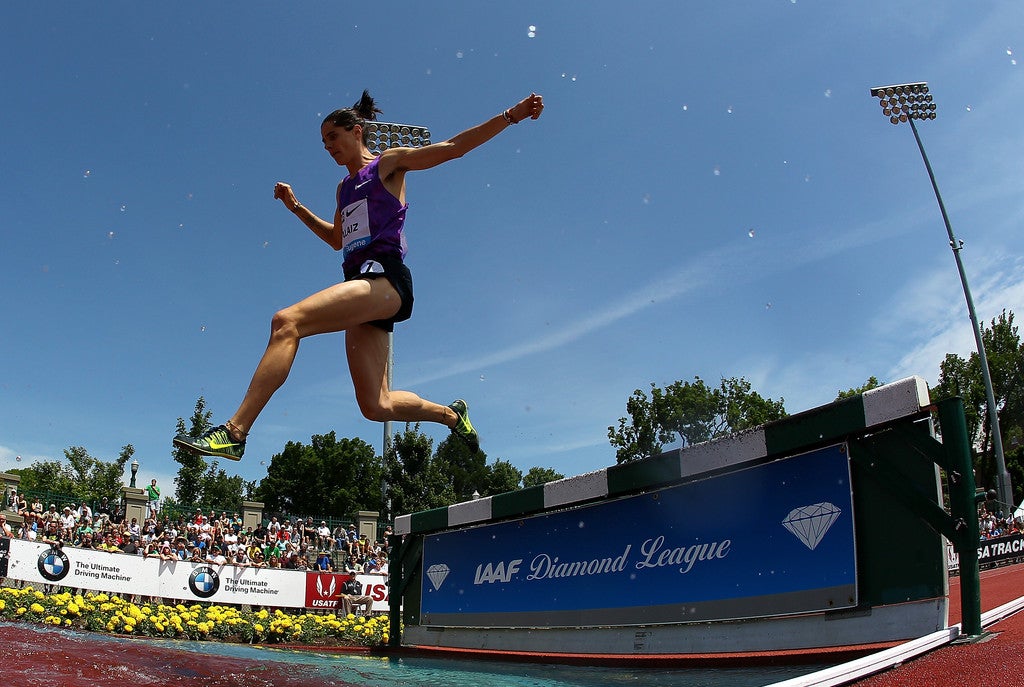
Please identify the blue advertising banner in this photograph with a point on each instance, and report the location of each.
(773, 539)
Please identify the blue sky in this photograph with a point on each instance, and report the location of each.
(711, 191)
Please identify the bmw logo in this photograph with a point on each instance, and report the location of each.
(53, 565)
(204, 582)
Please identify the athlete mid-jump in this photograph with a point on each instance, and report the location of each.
(377, 291)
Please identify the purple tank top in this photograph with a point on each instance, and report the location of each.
(372, 219)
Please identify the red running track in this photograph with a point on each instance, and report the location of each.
(996, 661)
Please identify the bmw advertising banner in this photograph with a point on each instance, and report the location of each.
(774, 539)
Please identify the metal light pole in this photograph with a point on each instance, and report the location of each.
(381, 136)
(906, 103)
(135, 471)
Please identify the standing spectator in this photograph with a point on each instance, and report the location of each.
(153, 494)
(83, 513)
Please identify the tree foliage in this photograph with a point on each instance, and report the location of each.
(536, 476)
(82, 477)
(872, 383)
(962, 377)
(416, 480)
(189, 480)
(329, 475)
(690, 412)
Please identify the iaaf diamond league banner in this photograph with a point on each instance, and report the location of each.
(768, 540)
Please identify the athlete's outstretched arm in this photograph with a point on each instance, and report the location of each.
(401, 160)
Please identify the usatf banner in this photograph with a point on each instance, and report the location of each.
(773, 539)
(990, 551)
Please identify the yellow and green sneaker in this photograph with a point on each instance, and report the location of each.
(216, 442)
(463, 428)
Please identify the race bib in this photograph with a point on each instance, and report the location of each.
(355, 227)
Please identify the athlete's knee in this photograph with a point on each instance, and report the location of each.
(284, 325)
(374, 407)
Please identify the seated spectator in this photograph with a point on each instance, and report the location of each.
(352, 596)
(37, 506)
(323, 562)
(5, 528)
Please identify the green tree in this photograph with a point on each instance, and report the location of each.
(536, 476)
(503, 477)
(189, 480)
(691, 412)
(467, 470)
(962, 377)
(872, 383)
(415, 478)
(337, 477)
(82, 477)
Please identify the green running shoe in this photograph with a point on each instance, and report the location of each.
(463, 428)
(215, 442)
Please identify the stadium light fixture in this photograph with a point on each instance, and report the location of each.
(910, 102)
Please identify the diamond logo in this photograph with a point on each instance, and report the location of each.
(810, 523)
(436, 573)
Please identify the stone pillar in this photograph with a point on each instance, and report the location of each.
(367, 524)
(252, 514)
(136, 504)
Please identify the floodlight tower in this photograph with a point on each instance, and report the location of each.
(906, 103)
(381, 136)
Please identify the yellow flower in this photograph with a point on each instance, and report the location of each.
(36, 608)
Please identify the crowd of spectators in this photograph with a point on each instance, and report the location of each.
(295, 544)
(993, 522)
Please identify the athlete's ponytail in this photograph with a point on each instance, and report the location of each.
(364, 110)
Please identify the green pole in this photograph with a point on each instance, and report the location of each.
(395, 591)
(964, 510)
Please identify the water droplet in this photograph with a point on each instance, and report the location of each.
(728, 110)
(180, 225)
(531, 31)
(647, 199)
(124, 208)
(459, 54)
(685, 108)
(750, 233)
(718, 171)
(266, 243)
(1009, 52)
(828, 92)
(968, 108)
(18, 458)
(110, 234)
(482, 378)
(87, 173)
(202, 328)
(768, 305)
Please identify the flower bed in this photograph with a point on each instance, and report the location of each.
(100, 612)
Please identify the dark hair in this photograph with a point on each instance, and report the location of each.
(361, 112)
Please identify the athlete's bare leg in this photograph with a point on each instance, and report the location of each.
(344, 306)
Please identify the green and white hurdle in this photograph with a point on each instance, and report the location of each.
(824, 529)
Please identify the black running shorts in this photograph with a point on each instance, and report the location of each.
(395, 271)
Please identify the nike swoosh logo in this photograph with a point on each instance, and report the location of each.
(216, 447)
(364, 183)
(349, 212)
